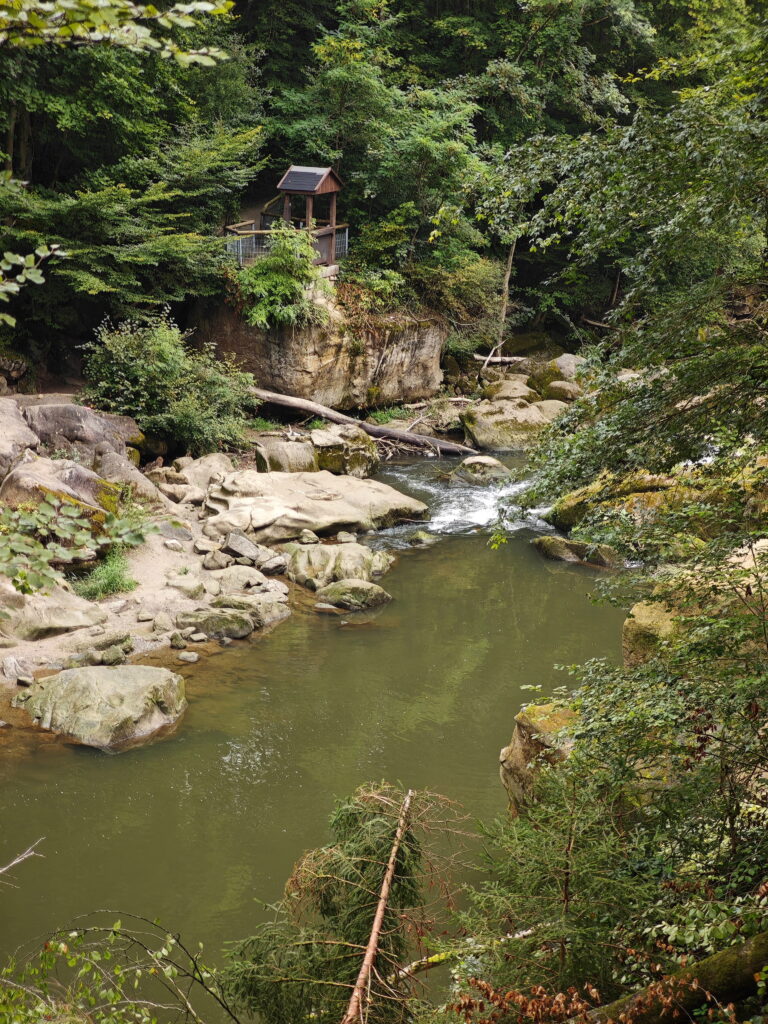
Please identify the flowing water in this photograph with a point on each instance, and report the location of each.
(200, 827)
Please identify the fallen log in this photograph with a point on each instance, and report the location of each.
(499, 360)
(726, 977)
(313, 408)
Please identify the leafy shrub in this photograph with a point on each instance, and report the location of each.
(107, 577)
(33, 541)
(146, 370)
(383, 416)
(274, 290)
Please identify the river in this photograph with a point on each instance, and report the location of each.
(199, 828)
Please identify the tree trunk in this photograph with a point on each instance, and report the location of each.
(728, 976)
(356, 1011)
(314, 409)
(504, 303)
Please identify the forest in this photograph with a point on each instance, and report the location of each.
(593, 173)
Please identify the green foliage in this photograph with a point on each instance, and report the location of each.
(383, 416)
(147, 370)
(109, 576)
(36, 541)
(276, 290)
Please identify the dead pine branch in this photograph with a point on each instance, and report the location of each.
(356, 1009)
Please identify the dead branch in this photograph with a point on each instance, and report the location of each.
(499, 360)
(420, 440)
(354, 1014)
(29, 852)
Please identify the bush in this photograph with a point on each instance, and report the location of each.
(274, 291)
(108, 577)
(146, 370)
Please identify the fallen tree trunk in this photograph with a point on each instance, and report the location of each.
(727, 976)
(356, 1010)
(314, 409)
(499, 360)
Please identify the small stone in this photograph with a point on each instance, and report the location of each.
(202, 546)
(14, 668)
(273, 566)
(308, 537)
(174, 531)
(177, 641)
(188, 656)
(4, 725)
(244, 561)
(225, 641)
(198, 638)
(97, 631)
(346, 538)
(163, 623)
(188, 631)
(240, 546)
(190, 586)
(96, 658)
(217, 560)
(182, 462)
(113, 656)
(174, 545)
(145, 614)
(422, 539)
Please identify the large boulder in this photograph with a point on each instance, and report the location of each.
(345, 449)
(503, 425)
(537, 737)
(15, 435)
(563, 391)
(217, 622)
(106, 708)
(188, 479)
(481, 470)
(316, 565)
(353, 595)
(61, 423)
(562, 549)
(509, 389)
(274, 453)
(550, 408)
(565, 367)
(118, 469)
(274, 507)
(649, 625)
(637, 493)
(35, 479)
(264, 608)
(36, 616)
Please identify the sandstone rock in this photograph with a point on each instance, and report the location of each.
(336, 364)
(550, 409)
(272, 507)
(216, 622)
(15, 435)
(563, 391)
(198, 638)
(55, 423)
(535, 737)
(308, 537)
(189, 585)
(203, 546)
(264, 609)
(273, 453)
(34, 479)
(354, 594)
(480, 469)
(561, 549)
(345, 538)
(36, 616)
(506, 425)
(237, 578)
(177, 641)
(118, 469)
(422, 539)
(201, 472)
(345, 449)
(636, 492)
(509, 389)
(217, 560)
(16, 668)
(648, 626)
(107, 708)
(173, 545)
(190, 657)
(565, 367)
(238, 545)
(320, 564)
(162, 623)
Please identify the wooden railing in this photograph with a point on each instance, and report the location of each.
(247, 243)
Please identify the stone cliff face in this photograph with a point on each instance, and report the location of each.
(335, 364)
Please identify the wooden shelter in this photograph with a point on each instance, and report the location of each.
(303, 193)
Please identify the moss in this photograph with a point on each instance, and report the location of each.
(648, 626)
(545, 721)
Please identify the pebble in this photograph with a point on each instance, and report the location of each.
(346, 538)
(225, 641)
(187, 633)
(174, 545)
(177, 641)
(189, 656)
(308, 537)
(203, 546)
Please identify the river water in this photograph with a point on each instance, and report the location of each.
(200, 828)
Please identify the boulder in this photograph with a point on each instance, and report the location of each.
(59, 423)
(36, 616)
(344, 449)
(35, 479)
(237, 578)
(264, 609)
(106, 708)
(506, 425)
(509, 389)
(561, 549)
(481, 470)
(355, 595)
(550, 408)
(535, 738)
(636, 493)
(15, 435)
(118, 469)
(186, 583)
(273, 453)
(648, 626)
(274, 507)
(317, 565)
(565, 367)
(563, 391)
(216, 622)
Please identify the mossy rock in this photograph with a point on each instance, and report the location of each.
(561, 549)
(649, 625)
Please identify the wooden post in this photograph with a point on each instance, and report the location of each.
(309, 211)
(332, 222)
(287, 207)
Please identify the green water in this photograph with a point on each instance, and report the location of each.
(198, 827)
